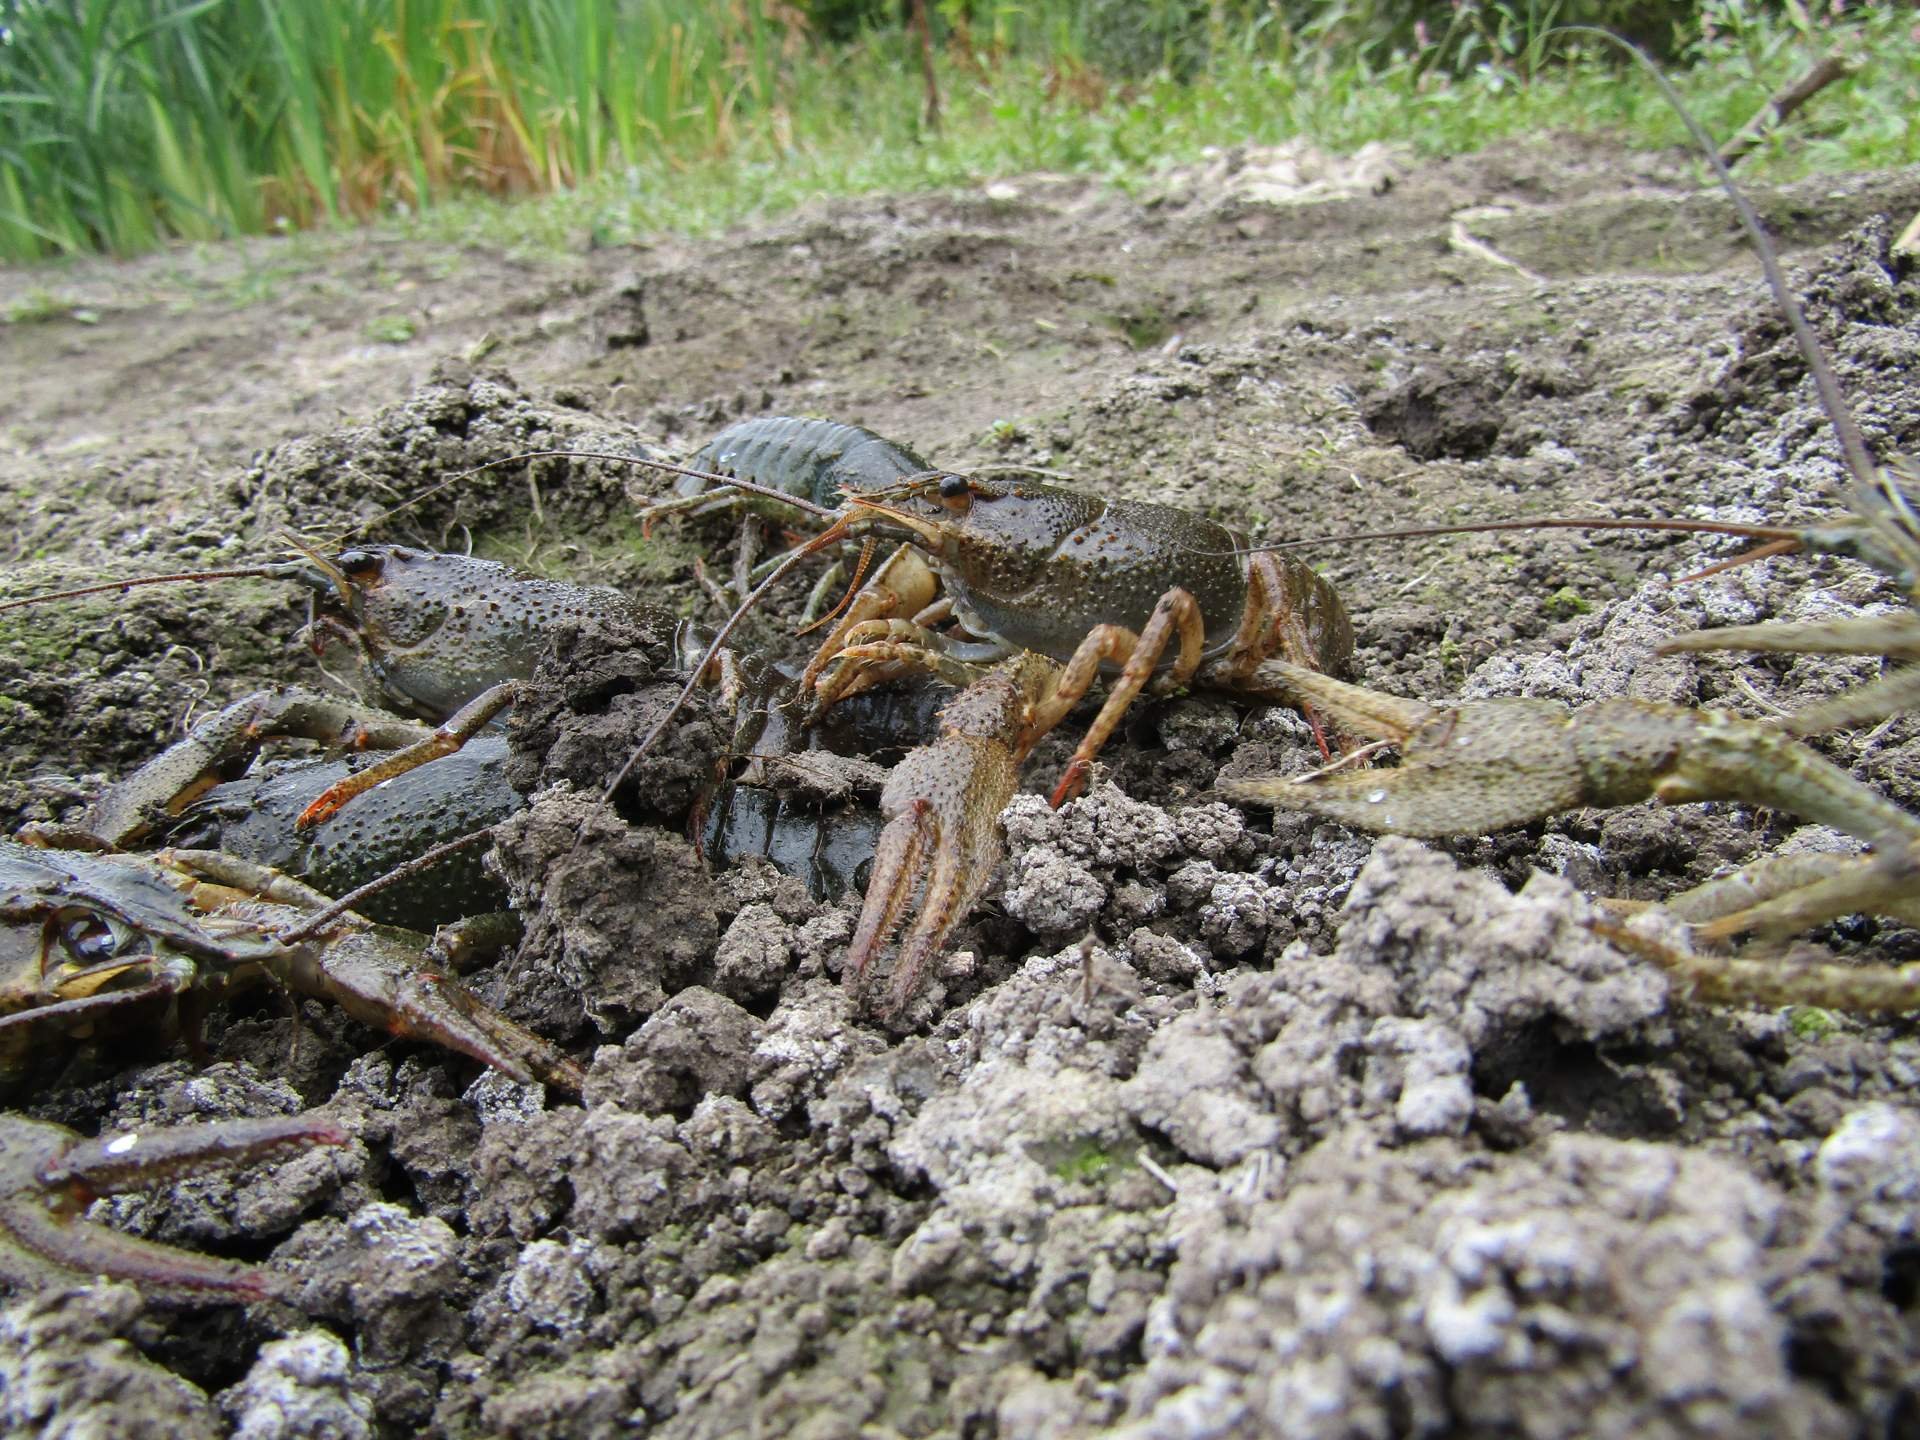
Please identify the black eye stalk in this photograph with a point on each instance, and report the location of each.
(956, 493)
(90, 940)
(361, 564)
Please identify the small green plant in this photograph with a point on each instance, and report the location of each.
(1087, 1162)
(37, 307)
(1810, 1022)
(391, 329)
(1143, 328)
(1565, 603)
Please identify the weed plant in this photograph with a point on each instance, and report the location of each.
(127, 123)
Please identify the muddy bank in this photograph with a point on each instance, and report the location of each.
(1319, 1136)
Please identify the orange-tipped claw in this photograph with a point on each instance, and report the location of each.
(325, 807)
(1071, 783)
(460, 727)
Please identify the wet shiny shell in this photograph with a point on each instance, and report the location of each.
(1037, 566)
(253, 818)
(814, 459)
(439, 629)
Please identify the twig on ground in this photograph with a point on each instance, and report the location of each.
(1831, 67)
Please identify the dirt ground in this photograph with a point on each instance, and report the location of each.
(1320, 1135)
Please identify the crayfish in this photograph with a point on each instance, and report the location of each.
(1160, 595)
(1058, 585)
(115, 942)
(1478, 766)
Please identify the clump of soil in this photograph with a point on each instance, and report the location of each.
(1212, 1122)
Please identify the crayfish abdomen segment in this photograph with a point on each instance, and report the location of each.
(813, 459)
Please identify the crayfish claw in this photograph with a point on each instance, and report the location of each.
(48, 1175)
(899, 864)
(142, 803)
(1481, 766)
(1781, 895)
(447, 1013)
(443, 740)
(942, 838)
(942, 842)
(1372, 713)
(375, 979)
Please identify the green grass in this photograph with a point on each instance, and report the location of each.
(125, 125)
(858, 131)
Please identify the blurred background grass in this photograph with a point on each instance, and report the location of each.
(125, 124)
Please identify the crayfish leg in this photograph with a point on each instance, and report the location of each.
(903, 585)
(377, 980)
(1730, 980)
(48, 1175)
(459, 728)
(1177, 615)
(881, 650)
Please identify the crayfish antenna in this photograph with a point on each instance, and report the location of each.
(830, 536)
(278, 570)
(1881, 496)
(1746, 557)
(1787, 539)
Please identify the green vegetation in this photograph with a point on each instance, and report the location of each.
(1809, 1022)
(391, 329)
(126, 123)
(1566, 603)
(36, 307)
(1085, 1162)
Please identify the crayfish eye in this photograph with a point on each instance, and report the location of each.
(956, 493)
(359, 565)
(89, 940)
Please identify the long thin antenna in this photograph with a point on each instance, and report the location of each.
(1859, 460)
(111, 587)
(792, 558)
(1545, 522)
